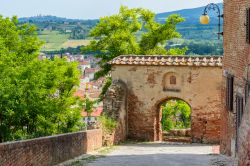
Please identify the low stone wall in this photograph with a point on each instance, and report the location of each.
(178, 132)
(50, 150)
(177, 135)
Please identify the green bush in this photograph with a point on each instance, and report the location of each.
(108, 124)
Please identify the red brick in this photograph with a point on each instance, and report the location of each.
(236, 60)
(49, 150)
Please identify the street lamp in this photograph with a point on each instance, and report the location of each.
(204, 18)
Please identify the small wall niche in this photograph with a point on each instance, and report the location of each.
(171, 82)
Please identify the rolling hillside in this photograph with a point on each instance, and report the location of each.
(191, 28)
(189, 14)
(61, 33)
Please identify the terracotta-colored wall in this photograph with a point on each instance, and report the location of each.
(115, 106)
(51, 150)
(200, 87)
(236, 60)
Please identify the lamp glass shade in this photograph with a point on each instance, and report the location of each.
(204, 19)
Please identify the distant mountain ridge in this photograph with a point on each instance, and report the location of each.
(48, 18)
(189, 13)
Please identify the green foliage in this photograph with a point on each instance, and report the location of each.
(88, 105)
(118, 35)
(176, 114)
(36, 96)
(106, 85)
(108, 124)
(178, 51)
(73, 51)
(198, 47)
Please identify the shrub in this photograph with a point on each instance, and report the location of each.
(108, 124)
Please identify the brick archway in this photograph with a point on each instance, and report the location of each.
(152, 79)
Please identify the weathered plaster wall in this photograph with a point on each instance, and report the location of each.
(236, 62)
(148, 87)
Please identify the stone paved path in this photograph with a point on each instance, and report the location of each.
(161, 154)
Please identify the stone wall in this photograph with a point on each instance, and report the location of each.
(148, 88)
(236, 63)
(244, 138)
(51, 150)
(115, 106)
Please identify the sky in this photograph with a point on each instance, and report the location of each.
(90, 9)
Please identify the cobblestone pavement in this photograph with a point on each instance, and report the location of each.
(162, 154)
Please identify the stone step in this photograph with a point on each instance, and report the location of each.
(177, 139)
(178, 133)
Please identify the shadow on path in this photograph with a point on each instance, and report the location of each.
(160, 154)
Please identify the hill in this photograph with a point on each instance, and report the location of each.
(188, 14)
(48, 18)
(61, 33)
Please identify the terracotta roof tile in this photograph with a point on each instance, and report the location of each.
(167, 60)
(84, 62)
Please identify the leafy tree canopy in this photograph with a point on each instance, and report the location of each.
(36, 96)
(176, 114)
(132, 31)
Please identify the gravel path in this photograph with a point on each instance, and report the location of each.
(161, 154)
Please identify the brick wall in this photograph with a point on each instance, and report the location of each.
(244, 138)
(236, 60)
(51, 150)
(115, 106)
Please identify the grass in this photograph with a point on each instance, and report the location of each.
(54, 40)
(105, 150)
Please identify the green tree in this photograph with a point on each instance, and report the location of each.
(36, 96)
(198, 46)
(132, 31)
(175, 114)
(107, 83)
(88, 106)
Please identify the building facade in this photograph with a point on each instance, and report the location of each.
(152, 80)
(235, 138)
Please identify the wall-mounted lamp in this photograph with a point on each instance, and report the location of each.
(204, 18)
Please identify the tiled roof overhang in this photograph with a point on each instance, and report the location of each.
(160, 60)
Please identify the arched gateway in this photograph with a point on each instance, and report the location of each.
(148, 81)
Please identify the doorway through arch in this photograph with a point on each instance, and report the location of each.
(175, 120)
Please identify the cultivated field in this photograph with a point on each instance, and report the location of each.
(75, 43)
(54, 40)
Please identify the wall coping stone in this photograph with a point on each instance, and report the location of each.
(50, 150)
(166, 60)
(48, 137)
